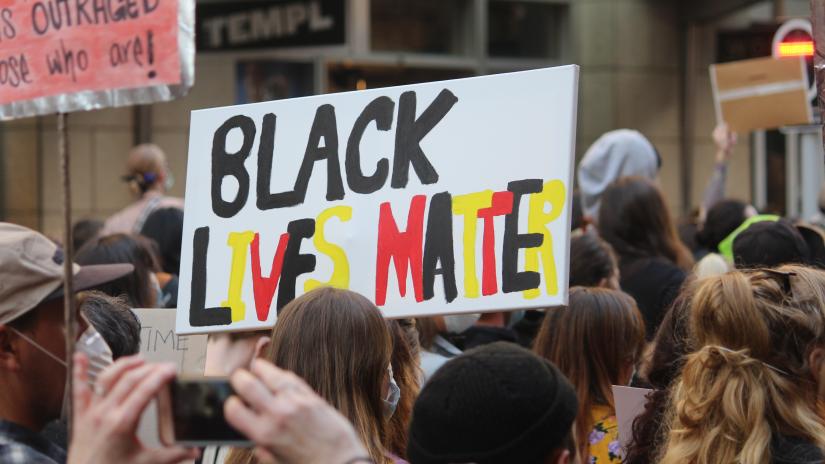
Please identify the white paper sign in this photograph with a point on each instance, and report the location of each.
(160, 343)
(436, 198)
(630, 402)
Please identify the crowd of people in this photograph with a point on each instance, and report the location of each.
(722, 316)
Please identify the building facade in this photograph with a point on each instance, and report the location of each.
(644, 65)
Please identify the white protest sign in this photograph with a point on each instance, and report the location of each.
(160, 343)
(630, 403)
(436, 198)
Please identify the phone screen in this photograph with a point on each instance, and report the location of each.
(197, 412)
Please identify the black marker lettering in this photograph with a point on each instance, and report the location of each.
(408, 135)
(438, 247)
(379, 110)
(295, 263)
(199, 314)
(231, 164)
(511, 279)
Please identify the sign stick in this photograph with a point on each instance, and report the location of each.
(69, 316)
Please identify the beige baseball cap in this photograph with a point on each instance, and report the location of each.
(31, 271)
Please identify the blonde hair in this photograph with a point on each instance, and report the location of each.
(749, 378)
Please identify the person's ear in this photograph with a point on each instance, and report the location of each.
(564, 457)
(9, 349)
(261, 344)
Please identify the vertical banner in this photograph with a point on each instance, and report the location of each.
(436, 198)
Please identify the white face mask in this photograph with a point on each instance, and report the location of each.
(153, 281)
(169, 182)
(90, 343)
(393, 396)
(458, 323)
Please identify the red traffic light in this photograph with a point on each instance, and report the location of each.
(795, 48)
(794, 38)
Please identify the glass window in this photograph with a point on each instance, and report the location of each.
(525, 29)
(421, 26)
(347, 76)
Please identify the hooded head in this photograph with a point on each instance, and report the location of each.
(615, 154)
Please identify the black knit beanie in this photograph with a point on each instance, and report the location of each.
(498, 403)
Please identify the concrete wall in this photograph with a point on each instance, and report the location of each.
(631, 57)
(628, 51)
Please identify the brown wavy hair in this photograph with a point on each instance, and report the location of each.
(591, 341)
(749, 378)
(405, 361)
(635, 220)
(338, 342)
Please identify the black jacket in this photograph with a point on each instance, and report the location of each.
(654, 283)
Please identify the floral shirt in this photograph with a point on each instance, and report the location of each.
(604, 438)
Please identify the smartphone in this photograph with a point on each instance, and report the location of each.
(190, 413)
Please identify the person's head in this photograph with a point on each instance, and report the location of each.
(595, 341)
(712, 264)
(427, 329)
(494, 404)
(814, 237)
(769, 244)
(113, 320)
(338, 342)
(722, 218)
(634, 218)
(758, 368)
(593, 263)
(614, 155)
(165, 227)
(85, 230)
(139, 289)
(228, 351)
(32, 330)
(406, 372)
(146, 169)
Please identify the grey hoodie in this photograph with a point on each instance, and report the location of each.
(618, 153)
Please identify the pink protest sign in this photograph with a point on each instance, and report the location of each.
(51, 48)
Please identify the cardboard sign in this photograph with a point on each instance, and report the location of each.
(436, 198)
(630, 402)
(160, 343)
(762, 93)
(75, 48)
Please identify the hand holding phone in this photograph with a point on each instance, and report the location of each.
(190, 412)
(106, 416)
